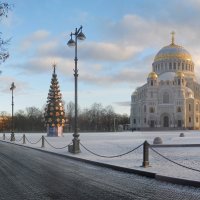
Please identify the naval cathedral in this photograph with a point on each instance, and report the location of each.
(170, 99)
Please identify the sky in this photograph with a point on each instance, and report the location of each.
(122, 39)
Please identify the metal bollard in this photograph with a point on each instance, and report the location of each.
(12, 137)
(4, 136)
(145, 154)
(42, 142)
(24, 139)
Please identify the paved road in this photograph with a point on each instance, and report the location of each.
(29, 174)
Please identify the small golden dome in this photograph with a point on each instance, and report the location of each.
(153, 75)
(179, 74)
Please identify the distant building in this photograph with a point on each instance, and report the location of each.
(171, 96)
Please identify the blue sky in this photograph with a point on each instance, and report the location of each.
(122, 39)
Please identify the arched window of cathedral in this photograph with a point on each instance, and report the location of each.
(189, 107)
(162, 66)
(190, 119)
(179, 66)
(170, 65)
(166, 97)
(182, 66)
(151, 82)
(134, 121)
(197, 119)
(145, 108)
(145, 120)
(174, 66)
(165, 66)
(179, 81)
(151, 110)
(179, 109)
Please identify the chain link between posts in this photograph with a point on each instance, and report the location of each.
(173, 161)
(33, 142)
(19, 139)
(7, 138)
(56, 147)
(103, 156)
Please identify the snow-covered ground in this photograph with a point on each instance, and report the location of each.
(109, 144)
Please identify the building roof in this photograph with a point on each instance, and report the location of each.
(173, 51)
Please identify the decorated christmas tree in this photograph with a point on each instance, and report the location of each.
(54, 111)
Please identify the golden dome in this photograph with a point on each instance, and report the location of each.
(153, 75)
(173, 51)
(179, 74)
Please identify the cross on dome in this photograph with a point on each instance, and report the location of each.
(172, 33)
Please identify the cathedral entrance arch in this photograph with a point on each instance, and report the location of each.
(152, 123)
(165, 121)
(179, 123)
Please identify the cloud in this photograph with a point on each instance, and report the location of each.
(123, 57)
(35, 37)
(95, 51)
(123, 103)
(126, 75)
(107, 51)
(44, 64)
(6, 81)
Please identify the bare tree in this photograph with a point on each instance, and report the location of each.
(4, 54)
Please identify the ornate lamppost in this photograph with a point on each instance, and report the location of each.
(78, 35)
(12, 138)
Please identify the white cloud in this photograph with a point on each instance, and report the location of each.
(35, 37)
(44, 64)
(115, 60)
(6, 82)
(106, 51)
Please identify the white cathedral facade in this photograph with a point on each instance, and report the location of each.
(171, 97)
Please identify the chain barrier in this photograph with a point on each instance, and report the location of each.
(19, 139)
(173, 161)
(32, 142)
(56, 147)
(7, 138)
(103, 156)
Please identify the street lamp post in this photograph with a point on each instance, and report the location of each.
(12, 138)
(78, 35)
(114, 124)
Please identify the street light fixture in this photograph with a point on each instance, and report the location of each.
(78, 35)
(12, 138)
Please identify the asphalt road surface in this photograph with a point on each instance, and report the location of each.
(30, 174)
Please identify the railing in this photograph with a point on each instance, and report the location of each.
(146, 148)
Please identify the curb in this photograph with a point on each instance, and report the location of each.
(178, 181)
(155, 176)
